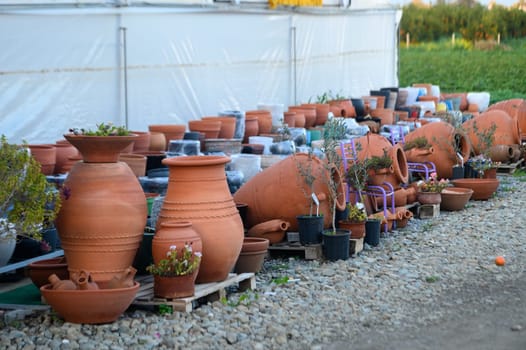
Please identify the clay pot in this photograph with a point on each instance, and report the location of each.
(507, 130)
(280, 183)
(172, 287)
(170, 131)
(252, 255)
(516, 108)
(210, 128)
(402, 216)
(322, 112)
(483, 189)
(446, 142)
(83, 281)
(136, 162)
(157, 142)
(411, 194)
(228, 126)
(308, 111)
(251, 127)
(198, 192)
(264, 119)
(386, 115)
(90, 306)
(61, 284)
(342, 108)
(455, 198)
(357, 229)
(142, 142)
(45, 155)
(289, 118)
(428, 197)
(39, 271)
(174, 233)
(103, 212)
(64, 150)
(123, 280)
(299, 119)
(273, 230)
(400, 197)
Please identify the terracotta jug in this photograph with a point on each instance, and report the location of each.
(446, 142)
(281, 183)
(174, 233)
(273, 230)
(103, 213)
(58, 284)
(123, 280)
(198, 192)
(507, 130)
(83, 281)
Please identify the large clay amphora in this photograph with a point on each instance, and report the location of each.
(506, 130)
(103, 213)
(516, 108)
(198, 192)
(279, 192)
(446, 142)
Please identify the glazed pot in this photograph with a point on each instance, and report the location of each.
(455, 198)
(483, 189)
(198, 192)
(252, 255)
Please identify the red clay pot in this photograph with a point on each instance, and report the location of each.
(157, 142)
(198, 192)
(455, 198)
(142, 143)
(483, 189)
(308, 111)
(172, 287)
(227, 128)
(170, 132)
(210, 128)
(357, 229)
(289, 118)
(46, 156)
(174, 233)
(386, 115)
(264, 119)
(251, 126)
(64, 150)
(322, 112)
(39, 271)
(252, 255)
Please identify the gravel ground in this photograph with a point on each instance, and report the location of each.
(429, 273)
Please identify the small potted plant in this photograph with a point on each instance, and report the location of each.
(379, 167)
(27, 199)
(429, 190)
(355, 221)
(174, 276)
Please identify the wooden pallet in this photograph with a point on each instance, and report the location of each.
(205, 292)
(309, 252)
(509, 169)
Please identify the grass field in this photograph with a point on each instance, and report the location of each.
(501, 71)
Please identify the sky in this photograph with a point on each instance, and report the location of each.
(483, 2)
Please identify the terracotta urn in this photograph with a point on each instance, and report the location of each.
(455, 198)
(198, 192)
(273, 230)
(445, 141)
(174, 233)
(281, 183)
(501, 153)
(483, 189)
(103, 213)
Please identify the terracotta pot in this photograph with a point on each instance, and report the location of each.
(103, 213)
(516, 108)
(299, 119)
(39, 271)
(61, 284)
(400, 197)
(289, 118)
(308, 111)
(342, 108)
(357, 229)
(428, 197)
(322, 112)
(123, 280)
(142, 143)
(90, 306)
(264, 119)
(455, 198)
(446, 142)
(174, 233)
(273, 230)
(228, 126)
(280, 183)
(386, 115)
(174, 286)
(136, 162)
(64, 150)
(483, 189)
(252, 255)
(507, 130)
(170, 131)
(251, 127)
(210, 128)
(157, 142)
(46, 156)
(100, 149)
(198, 192)
(411, 194)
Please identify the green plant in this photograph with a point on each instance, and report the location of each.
(245, 298)
(177, 264)
(103, 129)
(379, 162)
(481, 163)
(418, 142)
(165, 309)
(432, 279)
(281, 280)
(356, 213)
(27, 200)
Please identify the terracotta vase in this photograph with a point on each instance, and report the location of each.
(103, 213)
(174, 233)
(281, 183)
(46, 156)
(172, 287)
(289, 118)
(455, 198)
(402, 216)
(357, 229)
(507, 130)
(446, 142)
(251, 127)
(483, 189)
(428, 197)
(273, 230)
(64, 150)
(198, 192)
(157, 142)
(142, 143)
(102, 305)
(170, 132)
(516, 108)
(252, 255)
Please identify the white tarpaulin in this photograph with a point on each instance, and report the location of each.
(75, 67)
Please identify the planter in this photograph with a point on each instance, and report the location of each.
(252, 255)
(428, 197)
(89, 306)
(46, 155)
(158, 142)
(483, 189)
(103, 213)
(310, 229)
(198, 192)
(455, 198)
(336, 245)
(357, 229)
(372, 232)
(174, 286)
(170, 132)
(171, 233)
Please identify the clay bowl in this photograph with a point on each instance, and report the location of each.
(91, 306)
(39, 271)
(455, 198)
(483, 189)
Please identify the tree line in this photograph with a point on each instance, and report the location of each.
(467, 19)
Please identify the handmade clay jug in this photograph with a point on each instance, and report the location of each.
(198, 192)
(103, 213)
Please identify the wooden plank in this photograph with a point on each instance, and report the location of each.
(509, 169)
(210, 291)
(309, 252)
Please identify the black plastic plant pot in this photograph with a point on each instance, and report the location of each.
(310, 229)
(372, 232)
(336, 245)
